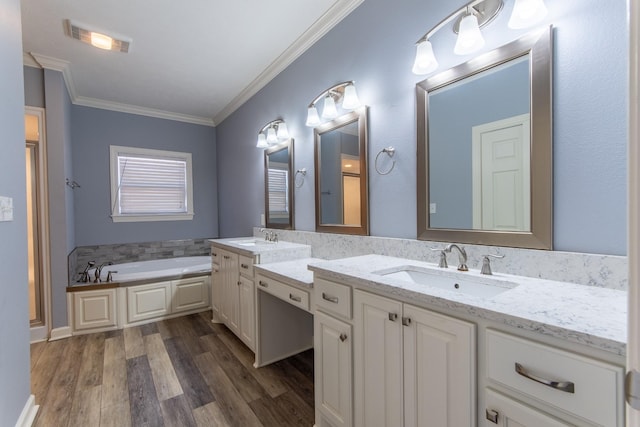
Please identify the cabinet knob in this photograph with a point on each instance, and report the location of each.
(263, 284)
(245, 266)
(226, 257)
(406, 321)
(492, 415)
(393, 316)
(239, 283)
(343, 337)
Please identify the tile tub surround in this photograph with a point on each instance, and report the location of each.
(586, 315)
(605, 271)
(130, 252)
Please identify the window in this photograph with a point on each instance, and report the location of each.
(278, 194)
(150, 185)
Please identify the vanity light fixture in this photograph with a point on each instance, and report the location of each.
(272, 133)
(97, 38)
(469, 20)
(343, 93)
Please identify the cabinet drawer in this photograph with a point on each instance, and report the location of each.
(584, 387)
(333, 297)
(285, 292)
(246, 266)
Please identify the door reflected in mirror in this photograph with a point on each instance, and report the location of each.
(278, 166)
(485, 148)
(341, 175)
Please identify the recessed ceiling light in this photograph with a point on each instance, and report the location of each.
(96, 38)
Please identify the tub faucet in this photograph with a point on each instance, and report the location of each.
(462, 256)
(84, 276)
(109, 276)
(99, 271)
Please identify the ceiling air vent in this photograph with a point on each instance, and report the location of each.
(97, 38)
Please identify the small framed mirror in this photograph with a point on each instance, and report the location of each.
(278, 185)
(485, 173)
(342, 189)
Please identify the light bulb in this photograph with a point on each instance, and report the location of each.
(469, 37)
(271, 136)
(262, 141)
(283, 132)
(350, 100)
(312, 117)
(426, 61)
(101, 41)
(527, 13)
(329, 111)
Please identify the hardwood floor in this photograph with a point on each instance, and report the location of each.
(178, 372)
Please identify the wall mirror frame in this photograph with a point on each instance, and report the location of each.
(278, 186)
(537, 46)
(342, 194)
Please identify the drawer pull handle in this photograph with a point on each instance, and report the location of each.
(226, 257)
(245, 266)
(329, 298)
(393, 317)
(492, 415)
(214, 254)
(292, 297)
(263, 284)
(343, 337)
(566, 386)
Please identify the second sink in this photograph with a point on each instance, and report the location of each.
(479, 287)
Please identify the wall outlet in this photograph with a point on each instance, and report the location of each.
(432, 208)
(6, 208)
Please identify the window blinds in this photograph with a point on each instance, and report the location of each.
(278, 194)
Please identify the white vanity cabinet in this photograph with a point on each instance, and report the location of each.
(413, 367)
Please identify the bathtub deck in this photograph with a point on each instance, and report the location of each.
(184, 371)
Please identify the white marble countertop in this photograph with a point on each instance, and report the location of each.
(588, 315)
(294, 273)
(268, 251)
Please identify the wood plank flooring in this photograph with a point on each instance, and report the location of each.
(178, 372)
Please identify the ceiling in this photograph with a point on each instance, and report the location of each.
(194, 61)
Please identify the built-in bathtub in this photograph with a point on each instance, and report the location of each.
(155, 269)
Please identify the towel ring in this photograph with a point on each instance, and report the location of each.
(302, 172)
(390, 151)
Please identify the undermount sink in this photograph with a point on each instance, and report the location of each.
(479, 287)
(251, 242)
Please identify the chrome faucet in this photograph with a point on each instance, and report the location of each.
(462, 256)
(84, 276)
(99, 271)
(442, 259)
(486, 264)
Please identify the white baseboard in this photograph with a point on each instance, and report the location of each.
(28, 413)
(60, 333)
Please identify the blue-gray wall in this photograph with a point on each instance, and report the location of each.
(14, 312)
(34, 87)
(375, 47)
(93, 131)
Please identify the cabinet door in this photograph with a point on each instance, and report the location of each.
(94, 309)
(247, 312)
(229, 307)
(333, 370)
(504, 412)
(148, 301)
(377, 361)
(439, 370)
(216, 288)
(190, 294)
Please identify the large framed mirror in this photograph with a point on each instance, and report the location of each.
(342, 189)
(278, 185)
(485, 148)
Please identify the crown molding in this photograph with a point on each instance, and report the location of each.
(321, 27)
(28, 61)
(64, 67)
(142, 111)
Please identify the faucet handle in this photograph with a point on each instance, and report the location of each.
(442, 261)
(486, 263)
(109, 276)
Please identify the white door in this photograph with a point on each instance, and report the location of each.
(633, 252)
(439, 370)
(378, 361)
(501, 180)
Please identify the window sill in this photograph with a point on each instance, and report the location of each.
(149, 218)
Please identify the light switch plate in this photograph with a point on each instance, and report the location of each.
(6, 208)
(432, 208)
(263, 222)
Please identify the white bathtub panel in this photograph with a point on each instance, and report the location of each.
(148, 301)
(190, 294)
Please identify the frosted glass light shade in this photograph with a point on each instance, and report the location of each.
(101, 41)
(262, 141)
(470, 38)
(283, 131)
(329, 111)
(426, 61)
(312, 117)
(527, 13)
(271, 136)
(350, 100)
